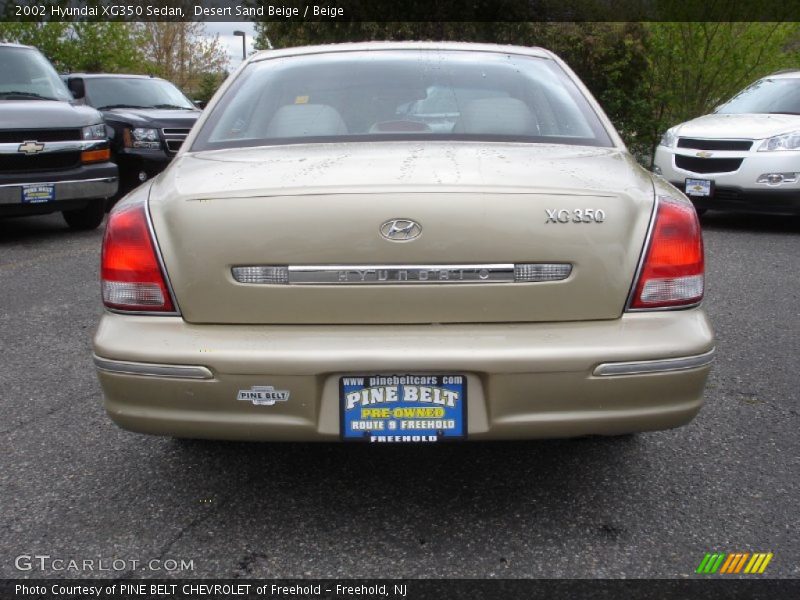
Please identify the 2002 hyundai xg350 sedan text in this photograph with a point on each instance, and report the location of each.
(403, 242)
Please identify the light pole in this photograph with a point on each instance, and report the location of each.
(244, 42)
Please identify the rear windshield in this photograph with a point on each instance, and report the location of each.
(378, 95)
(25, 73)
(770, 96)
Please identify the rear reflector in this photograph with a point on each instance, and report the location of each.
(541, 271)
(672, 273)
(131, 275)
(261, 274)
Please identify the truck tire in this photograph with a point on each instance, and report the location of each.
(89, 217)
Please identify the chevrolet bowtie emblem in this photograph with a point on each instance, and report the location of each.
(704, 154)
(30, 147)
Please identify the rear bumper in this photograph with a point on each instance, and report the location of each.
(524, 380)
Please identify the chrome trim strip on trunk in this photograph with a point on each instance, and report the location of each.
(152, 369)
(664, 365)
(390, 274)
(400, 274)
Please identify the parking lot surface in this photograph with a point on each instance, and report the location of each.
(75, 487)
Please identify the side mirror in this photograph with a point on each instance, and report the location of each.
(201, 104)
(77, 88)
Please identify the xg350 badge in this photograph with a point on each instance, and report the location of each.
(400, 230)
(575, 215)
(263, 395)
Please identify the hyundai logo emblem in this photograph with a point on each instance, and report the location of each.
(401, 230)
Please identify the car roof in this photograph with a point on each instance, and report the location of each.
(375, 46)
(784, 74)
(15, 45)
(114, 75)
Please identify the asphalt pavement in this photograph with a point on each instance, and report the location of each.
(75, 487)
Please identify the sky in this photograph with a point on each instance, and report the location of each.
(232, 43)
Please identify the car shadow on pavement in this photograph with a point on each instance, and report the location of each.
(548, 485)
(39, 228)
(724, 221)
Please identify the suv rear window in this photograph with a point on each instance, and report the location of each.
(401, 94)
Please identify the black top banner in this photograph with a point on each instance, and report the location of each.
(401, 11)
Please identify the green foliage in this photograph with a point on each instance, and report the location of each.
(81, 46)
(178, 51)
(181, 51)
(51, 38)
(694, 67)
(209, 83)
(110, 47)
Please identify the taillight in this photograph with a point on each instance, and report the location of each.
(673, 267)
(131, 275)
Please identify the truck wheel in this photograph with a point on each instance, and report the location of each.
(88, 217)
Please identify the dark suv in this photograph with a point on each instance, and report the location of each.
(149, 116)
(54, 155)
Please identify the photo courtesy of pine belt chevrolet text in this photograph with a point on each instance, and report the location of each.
(403, 242)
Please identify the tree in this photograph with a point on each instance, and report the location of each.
(110, 47)
(209, 84)
(181, 52)
(91, 47)
(51, 38)
(693, 67)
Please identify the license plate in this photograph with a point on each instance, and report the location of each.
(35, 194)
(403, 408)
(698, 187)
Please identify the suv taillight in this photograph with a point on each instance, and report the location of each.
(672, 273)
(130, 272)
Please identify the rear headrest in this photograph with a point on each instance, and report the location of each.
(298, 120)
(500, 115)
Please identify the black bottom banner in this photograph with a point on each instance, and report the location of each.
(397, 589)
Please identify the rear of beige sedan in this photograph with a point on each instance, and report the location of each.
(422, 275)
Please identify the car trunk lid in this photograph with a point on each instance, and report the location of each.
(478, 205)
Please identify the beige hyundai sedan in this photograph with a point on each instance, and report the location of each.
(403, 242)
